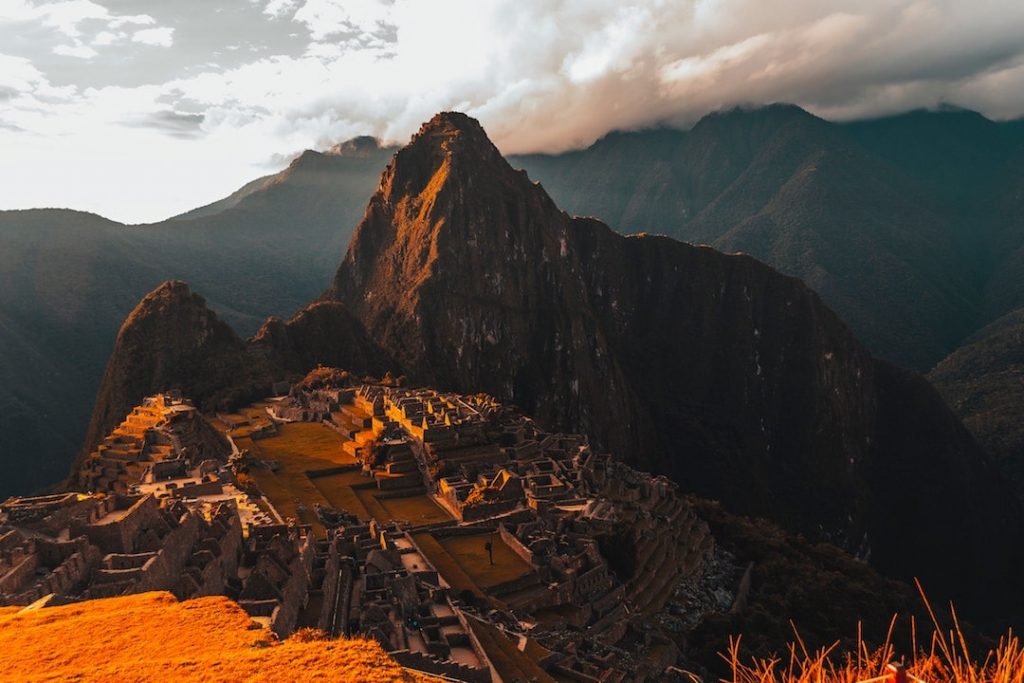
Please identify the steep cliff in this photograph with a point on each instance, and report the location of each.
(735, 380)
(172, 341)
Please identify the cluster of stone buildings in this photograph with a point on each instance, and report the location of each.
(567, 511)
(163, 435)
(603, 546)
(72, 547)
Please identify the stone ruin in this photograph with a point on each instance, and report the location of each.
(606, 547)
(163, 434)
(83, 547)
(569, 512)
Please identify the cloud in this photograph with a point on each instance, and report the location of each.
(80, 51)
(66, 16)
(326, 18)
(160, 37)
(540, 74)
(173, 123)
(280, 8)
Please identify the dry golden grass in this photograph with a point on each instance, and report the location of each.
(944, 658)
(152, 637)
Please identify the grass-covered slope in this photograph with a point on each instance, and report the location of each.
(153, 637)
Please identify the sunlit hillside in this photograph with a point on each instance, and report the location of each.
(153, 637)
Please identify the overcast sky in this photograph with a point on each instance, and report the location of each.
(140, 109)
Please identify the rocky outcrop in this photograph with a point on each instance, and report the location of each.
(172, 341)
(324, 333)
(733, 379)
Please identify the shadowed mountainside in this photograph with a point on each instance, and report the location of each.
(908, 226)
(715, 369)
(983, 382)
(902, 224)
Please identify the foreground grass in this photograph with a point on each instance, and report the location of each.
(943, 658)
(153, 637)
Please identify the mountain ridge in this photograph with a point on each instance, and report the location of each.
(548, 314)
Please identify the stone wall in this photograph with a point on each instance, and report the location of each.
(517, 546)
(295, 591)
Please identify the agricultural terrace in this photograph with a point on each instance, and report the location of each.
(464, 561)
(311, 467)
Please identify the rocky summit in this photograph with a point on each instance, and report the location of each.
(735, 380)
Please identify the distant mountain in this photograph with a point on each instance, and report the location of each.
(983, 382)
(68, 280)
(901, 224)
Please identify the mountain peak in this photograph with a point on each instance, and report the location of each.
(358, 147)
(452, 123)
(446, 194)
(449, 154)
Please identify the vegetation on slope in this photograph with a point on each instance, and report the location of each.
(983, 382)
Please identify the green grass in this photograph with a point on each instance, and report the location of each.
(446, 565)
(472, 556)
(420, 510)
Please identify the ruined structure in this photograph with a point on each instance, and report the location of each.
(80, 547)
(165, 434)
(589, 550)
(603, 546)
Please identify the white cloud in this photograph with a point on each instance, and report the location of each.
(65, 15)
(325, 18)
(107, 38)
(160, 37)
(280, 8)
(540, 74)
(80, 51)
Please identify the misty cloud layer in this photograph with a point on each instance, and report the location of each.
(138, 110)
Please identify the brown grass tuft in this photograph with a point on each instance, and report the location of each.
(946, 658)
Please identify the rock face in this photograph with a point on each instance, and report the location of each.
(323, 333)
(733, 379)
(172, 341)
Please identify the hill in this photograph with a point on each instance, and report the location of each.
(983, 382)
(69, 279)
(153, 637)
